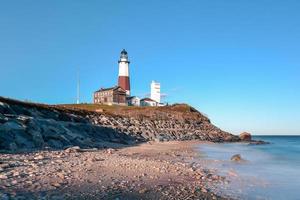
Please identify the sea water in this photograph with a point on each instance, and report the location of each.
(271, 171)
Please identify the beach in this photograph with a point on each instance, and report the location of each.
(153, 170)
(71, 152)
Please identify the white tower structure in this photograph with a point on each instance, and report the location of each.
(124, 81)
(155, 91)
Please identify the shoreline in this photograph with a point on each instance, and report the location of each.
(153, 170)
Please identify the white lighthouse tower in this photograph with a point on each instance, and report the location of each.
(123, 80)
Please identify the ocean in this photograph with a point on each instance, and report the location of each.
(271, 171)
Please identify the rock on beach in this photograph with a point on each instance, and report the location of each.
(245, 136)
(237, 158)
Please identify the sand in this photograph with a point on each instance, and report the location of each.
(154, 170)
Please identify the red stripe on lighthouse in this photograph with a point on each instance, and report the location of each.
(124, 82)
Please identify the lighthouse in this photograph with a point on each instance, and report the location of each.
(123, 80)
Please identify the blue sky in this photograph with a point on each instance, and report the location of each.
(236, 61)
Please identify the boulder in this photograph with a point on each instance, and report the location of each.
(245, 136)
(237, 158)
(73, 149)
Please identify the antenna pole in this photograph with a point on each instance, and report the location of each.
(78, 87)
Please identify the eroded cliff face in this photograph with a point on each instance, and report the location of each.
(178, 122)
(27, 126)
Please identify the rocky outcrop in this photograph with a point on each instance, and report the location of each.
(245, 136)
(164, 126)
(26, 126)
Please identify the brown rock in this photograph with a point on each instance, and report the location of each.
(203, 190)
(142, 191)
(16, 173)
(3, 176)
(39, 157)
(61, 175)
(99, 159)
(14, 182)
(237, 158)
(72, 149)
(59, 161)
(245, 136)
(110, 151)
(55, 184)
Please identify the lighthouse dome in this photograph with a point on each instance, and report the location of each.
(124, 54)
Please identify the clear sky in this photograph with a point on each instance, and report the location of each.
(236, 61)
